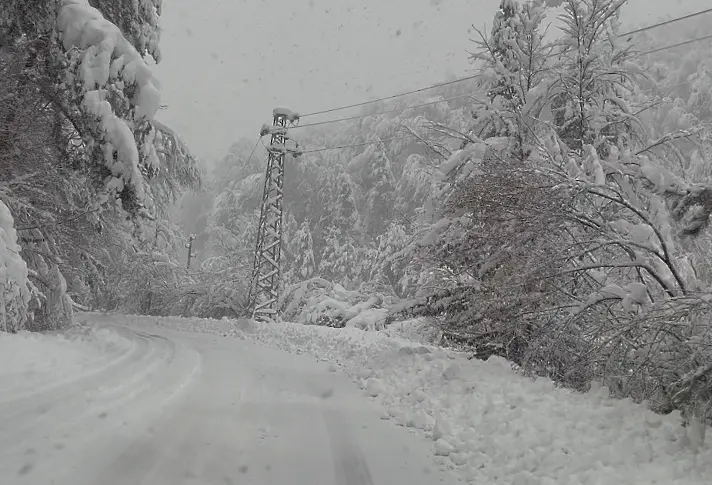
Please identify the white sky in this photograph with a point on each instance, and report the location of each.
(227, 63)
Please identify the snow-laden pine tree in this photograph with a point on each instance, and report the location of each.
(514, 62)
(78, 143)
(594, 76)
(338, 258)
(378, 184)
(502, 52)
(304, 263)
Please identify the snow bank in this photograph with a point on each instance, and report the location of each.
(420, 330)
(14, 290)
(492, 425)
(30, 362)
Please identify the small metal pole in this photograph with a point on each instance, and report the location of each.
(190, 249)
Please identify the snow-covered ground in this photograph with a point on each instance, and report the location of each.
(32, 361)
(492, 425)
(73, 407)
(165, 407)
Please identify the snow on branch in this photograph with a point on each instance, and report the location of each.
(106, 64)
(106, 54)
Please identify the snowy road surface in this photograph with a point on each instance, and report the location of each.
(166, 407)
(145, 400)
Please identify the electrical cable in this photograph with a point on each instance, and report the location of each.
(469, 78)
(253, 150)
(667, 22)
(394, 110)
(364, 103)
(411, 136)
(357, 144)
(679, 44)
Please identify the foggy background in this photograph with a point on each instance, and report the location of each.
(227, 63)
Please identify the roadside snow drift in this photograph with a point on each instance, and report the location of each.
(494, 426)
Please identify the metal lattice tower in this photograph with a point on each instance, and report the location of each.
(264, 291)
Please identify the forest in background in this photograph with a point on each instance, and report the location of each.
(553, 212)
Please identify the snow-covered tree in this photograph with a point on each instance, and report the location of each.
(394, 269)
(573, 260)
(378, 182)
(80, 149)
(304, 263)
(344, 211)
(502, 47)
(337, 257)
(14, 285)
(514, 60)
(118, 97)
(594, 76)
(138, 21)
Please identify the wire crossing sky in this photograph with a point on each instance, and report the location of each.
(227, 63)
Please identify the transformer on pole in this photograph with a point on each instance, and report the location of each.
(264, 290)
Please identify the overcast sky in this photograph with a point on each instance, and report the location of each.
(227, 63)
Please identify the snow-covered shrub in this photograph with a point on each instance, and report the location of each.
(14, 290)
(319, 302)
(570, 250)
(215, 291)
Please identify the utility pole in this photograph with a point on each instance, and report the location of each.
(264, 290)
(190, 249)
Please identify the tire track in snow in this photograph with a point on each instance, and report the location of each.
(127, 460)
(350, 463)
(46, 388)
(76, 419)
(18, 418)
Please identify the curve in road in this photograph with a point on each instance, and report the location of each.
(197, 409)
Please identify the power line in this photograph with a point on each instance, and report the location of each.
(667, 22)
(469, 78)
(253, 150)
(350, 118)
(358, 144)
(679, 44)
(394, 110)
(356, 105)
(401, 137)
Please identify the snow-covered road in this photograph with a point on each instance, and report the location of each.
(157, 406)
(145, 400)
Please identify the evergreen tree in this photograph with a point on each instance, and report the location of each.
(304, 252)
(593, 80)
(503, 46)
(514, 63)
(338, 259)
(345, 214)
(378, 183)
(80, 151)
